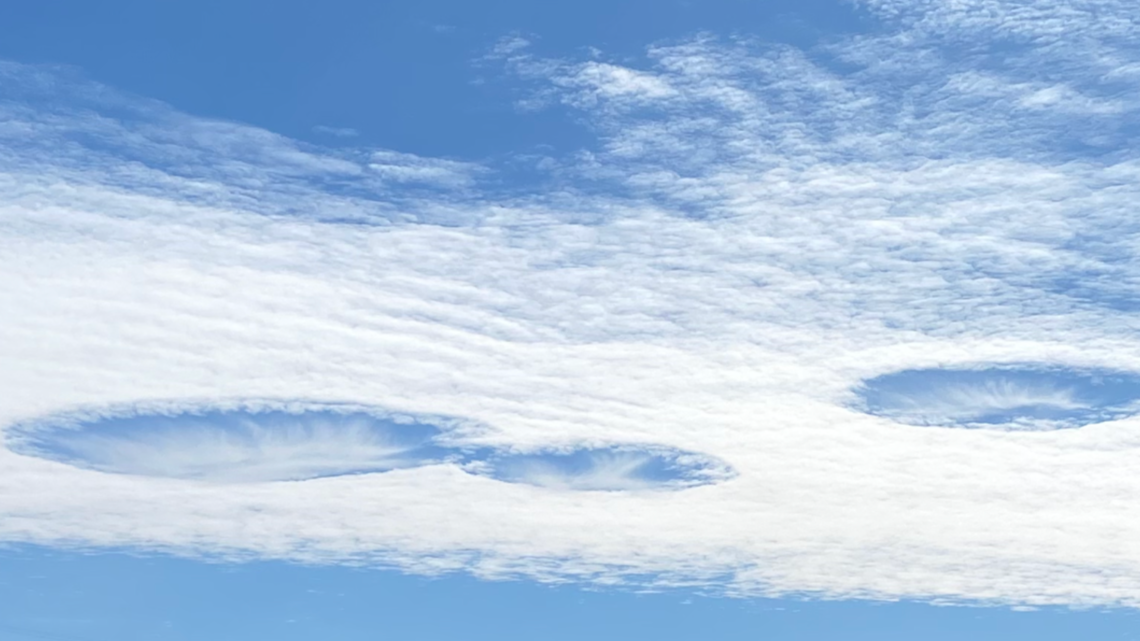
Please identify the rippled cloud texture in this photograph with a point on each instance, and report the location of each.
(759, 230)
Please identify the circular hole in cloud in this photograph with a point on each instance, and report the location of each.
(1013, 397)
(242, 444)
(616, 468)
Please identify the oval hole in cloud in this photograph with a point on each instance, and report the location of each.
(251, 444)
(1012, 397)
(615, 468)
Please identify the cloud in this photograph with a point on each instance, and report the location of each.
(757, 231)
(409, 168)
(338, 132)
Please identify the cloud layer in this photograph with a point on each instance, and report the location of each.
(758, 230)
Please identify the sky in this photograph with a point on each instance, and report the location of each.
(439, 320)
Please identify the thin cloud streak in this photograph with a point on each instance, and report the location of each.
(338, 132)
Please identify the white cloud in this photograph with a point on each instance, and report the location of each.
(602, 80)
(409, 168)
(765, 228)
(509, 45)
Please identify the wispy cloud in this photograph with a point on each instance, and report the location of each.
(409, 168)
(612, 472)
(339, 132)
(758, 230)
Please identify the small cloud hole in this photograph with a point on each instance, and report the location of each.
(1010, 397)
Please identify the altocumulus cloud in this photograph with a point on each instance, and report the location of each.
(759, 235)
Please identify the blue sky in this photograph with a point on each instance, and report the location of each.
(402, 74)
(723, 319)
(81, 597)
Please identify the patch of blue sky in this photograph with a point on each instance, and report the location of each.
(144, 146)
(60, 595)
(398, 190)
(1018, 397)
(234, 445)
(617, 468)
(1111, 288)
(265, 442)
(1104, 278)
(292, 67)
